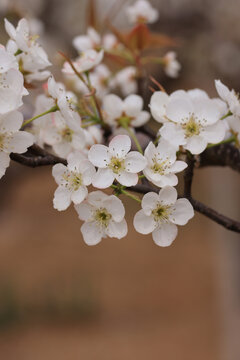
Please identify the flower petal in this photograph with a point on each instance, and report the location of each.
(113, 106)
(120, 145)
(149, 202)
(165, 234)
(99, 155)
(85, 211)
(158, 104)
(133, 105)
(103, 178)
(117, 229)
(135, 162)
(182, 212)
(57, 172)
(62, 198)
(168, 195)
(179, 109)
(196, 144)
(143, 224)
(20, 141)
(115, 207)
(127, 179)
(92, 234)
(79, 195)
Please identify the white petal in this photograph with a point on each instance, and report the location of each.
(96, 198)
(79, 195)
(135, 162)
(165, 235)
(120, 145)
(103, 178)
(158, 103)
(99, 155)
(133, 104)
(75, 161)
(141, 119)
(182, 212)
(149, 202)
(20, 141)
(173, 133)
(168, 195)
(127, 179)
(88, 172)
(115, 207)
(63, 149)
(165, 180)
(62, 198)
(117, 229)
(196, 144)
(178, 110)
(113, 106)
(143, 224)
(85, 211)
(11, 122)
(91, 233)
(4, 162)
(57, 171)
(214, 133)
(207, 111)
(178, 166)
(222, 90)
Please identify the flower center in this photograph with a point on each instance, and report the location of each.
(4, 140)
(159, 167)
(116, 165)
(192, 127)
(124, 120)
(161, 213)
(73, 180)
(67, 134)
(102, 217)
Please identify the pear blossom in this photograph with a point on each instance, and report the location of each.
(171, 65)
(125, 79)
(189, 119)
(7, 61)
(162, 164)
(161, 213)
(232, 100)
(64, 137)
(128, 111)
(11, 91)
(31, 56)
(11, 139)
(72, 181)
(93, 135)
(93, 40)
(160, 100)
(103, 216)
(116, 162)
(142, 12)
(85, 62)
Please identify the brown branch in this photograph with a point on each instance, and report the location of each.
(36, 156)
(221, 155)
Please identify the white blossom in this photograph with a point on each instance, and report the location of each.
(232, 100)
(91, 40)
(161, 213)
(130, 111)
(125, 79)
(103, 216)
(171, 65)
(11, 90)
(31, 56)
(85, 62)
(7, 61)
(142, 11)
(190, 119)
(11, 139)
(116, 162)
(72, 181)
(162, 164)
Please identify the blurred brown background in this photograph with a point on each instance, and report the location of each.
(124, 299)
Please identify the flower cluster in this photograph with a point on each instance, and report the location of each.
(94, 132)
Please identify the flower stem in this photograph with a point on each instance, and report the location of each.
(53, 109)
(133, 136)
(120, 189)
(229, 140)
(225, 116)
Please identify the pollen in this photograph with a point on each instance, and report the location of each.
(116, 165)
(102, 217)
(192, 127)
(67, 134)
(161, 213)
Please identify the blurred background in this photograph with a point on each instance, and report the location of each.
(123, 299)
